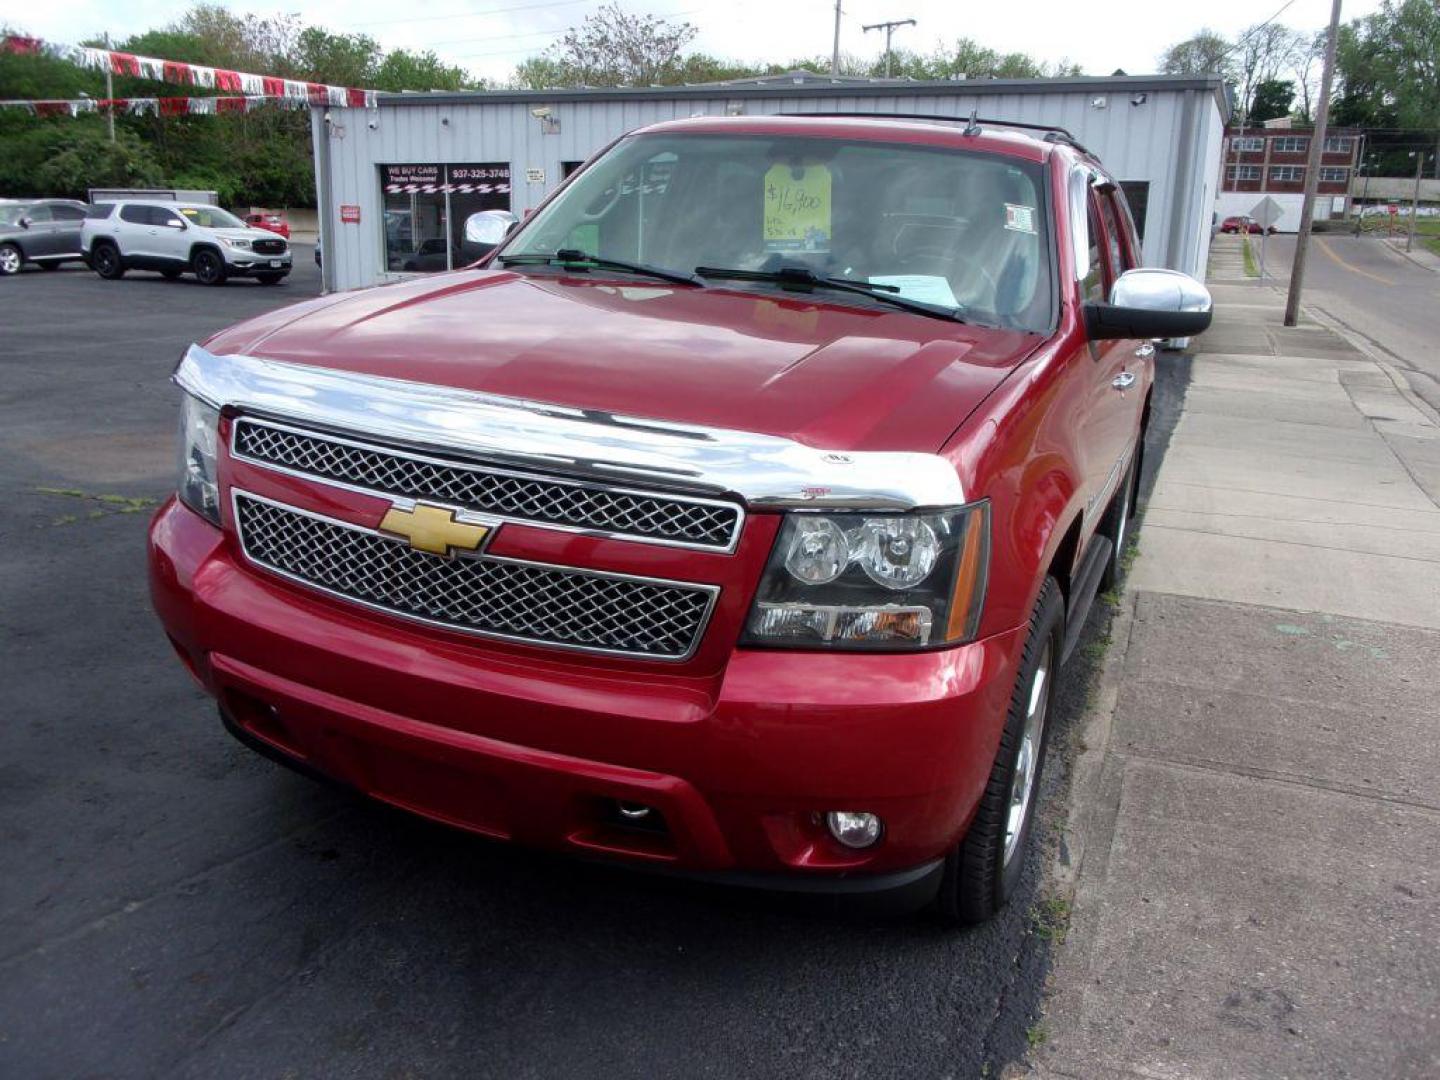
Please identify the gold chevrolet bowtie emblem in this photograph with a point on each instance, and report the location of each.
(434, 529)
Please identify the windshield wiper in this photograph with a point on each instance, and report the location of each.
(574, 259)
(802, 279)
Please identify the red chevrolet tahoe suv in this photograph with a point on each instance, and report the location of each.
(734, 516)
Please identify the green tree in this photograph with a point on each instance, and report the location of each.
(401, 70)
(1272, 100)
(1205, 53)
(84, 157)
(615, 48)
(1388, 69)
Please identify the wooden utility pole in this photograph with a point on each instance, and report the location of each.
(889, 28)
(835, 56)
(1415, 200)
(1312, 170)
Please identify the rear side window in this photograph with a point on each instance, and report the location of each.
(137, 214)
(100, 212)
(1117, 262)
(1092, 285)
(63, 212)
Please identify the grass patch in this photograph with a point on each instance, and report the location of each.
(1050, 919)
(110, 504)
(1433, 243)
(1036, 1035)
(1251, 268)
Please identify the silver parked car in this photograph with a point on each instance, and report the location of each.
(176, 238)
(43, 231)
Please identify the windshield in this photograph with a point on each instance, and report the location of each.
(211, 217)
(941, 226)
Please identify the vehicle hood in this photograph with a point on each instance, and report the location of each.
(801, 366)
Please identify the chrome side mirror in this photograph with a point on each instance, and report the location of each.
(1160, 290)
(1151, 304)
(488, 227)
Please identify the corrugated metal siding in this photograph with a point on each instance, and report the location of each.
(1136, 142)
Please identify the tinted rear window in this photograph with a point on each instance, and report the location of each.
(137, 215)
(102, 210)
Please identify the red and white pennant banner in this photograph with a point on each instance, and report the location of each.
(184, 74)
(156, 106)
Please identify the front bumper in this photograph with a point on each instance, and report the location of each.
(247, 264)
(739, 763)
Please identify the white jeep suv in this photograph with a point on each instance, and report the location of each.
(174, 238)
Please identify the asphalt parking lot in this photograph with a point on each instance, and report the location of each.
(173, 905)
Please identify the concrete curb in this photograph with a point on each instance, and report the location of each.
(1427, 263)
(1367, 349)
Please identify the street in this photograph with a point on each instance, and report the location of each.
(174, 905)
(1375, 292)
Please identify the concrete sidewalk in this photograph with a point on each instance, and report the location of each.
(1253, 849)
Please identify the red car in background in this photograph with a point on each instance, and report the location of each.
(1244, 224)
(275, 223)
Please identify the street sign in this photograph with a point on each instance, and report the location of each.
(1393, 209)
(1266, 212)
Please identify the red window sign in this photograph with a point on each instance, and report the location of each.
(350, 213)
(1392, 208)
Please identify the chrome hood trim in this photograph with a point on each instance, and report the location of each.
(764, 471)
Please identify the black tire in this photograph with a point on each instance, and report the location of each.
(1117, 524)
(105, 260)
(11, 259)
(209, 267)
(171, 275)
(981, 873)
(269, 279)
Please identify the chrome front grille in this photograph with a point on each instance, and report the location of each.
(635, 515)
(504, 598)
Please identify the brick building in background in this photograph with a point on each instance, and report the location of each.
(1271, 160)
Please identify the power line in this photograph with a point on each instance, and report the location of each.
(471, 14)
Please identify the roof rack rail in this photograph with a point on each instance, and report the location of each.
(973, 123)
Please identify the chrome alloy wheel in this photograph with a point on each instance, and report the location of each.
(9, 259)
(1022, 783)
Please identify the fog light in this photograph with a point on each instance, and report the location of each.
(853, 828)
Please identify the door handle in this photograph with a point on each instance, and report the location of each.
(1123, 381)
(1145, 351)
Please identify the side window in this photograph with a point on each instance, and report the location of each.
(160, 216)
(1092, 285)
(38, 213)
(135, 214)
(1118, 258)
(67, 213)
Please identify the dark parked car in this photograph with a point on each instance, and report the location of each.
(43, 231)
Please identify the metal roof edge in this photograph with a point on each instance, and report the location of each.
(820, 87)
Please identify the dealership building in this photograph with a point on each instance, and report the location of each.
(396, 182)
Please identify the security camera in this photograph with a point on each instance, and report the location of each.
(1140, 98)
(373, 125)
(327, 116)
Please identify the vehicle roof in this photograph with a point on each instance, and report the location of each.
(992, 138)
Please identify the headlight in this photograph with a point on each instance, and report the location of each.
(197, 485)
(230, 242)
(874, 581)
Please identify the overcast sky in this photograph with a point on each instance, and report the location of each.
(489, 37)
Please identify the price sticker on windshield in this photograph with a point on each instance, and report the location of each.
(797, 208)
(1020, 218)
